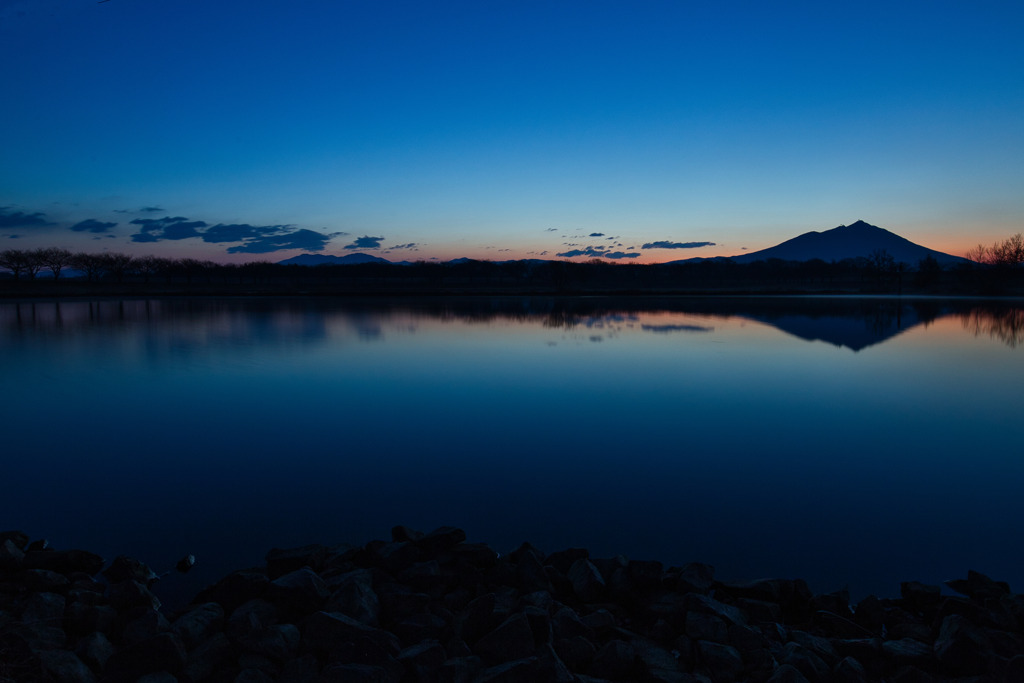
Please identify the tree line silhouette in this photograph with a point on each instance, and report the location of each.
(991, 270)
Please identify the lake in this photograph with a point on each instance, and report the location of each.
(851, 442)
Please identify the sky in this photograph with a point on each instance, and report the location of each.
(636, 132)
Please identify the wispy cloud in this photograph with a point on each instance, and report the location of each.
(597, 234)
(677, 245)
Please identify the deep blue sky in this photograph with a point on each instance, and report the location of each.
(505, 129)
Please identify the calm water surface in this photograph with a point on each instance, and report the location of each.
(853, 443)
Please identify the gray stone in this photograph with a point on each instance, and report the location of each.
(849, 670)
(322, 631)
(144, 627)
(787, 673)
(353, 594)
(299, 592)
(706, 627)
(723, 662)
(511, 640)
(616, 659)
(129, 569)
(11, 556)
(355, 673)
(907, 651)
(962, 647)
(65, 667)
(94, 649)
(127, 594)
(63, 561)
(208, 656)
(586, 580)
(158, 677)
(196, 625)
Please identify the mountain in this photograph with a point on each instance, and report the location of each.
(326, 259)
(848, 241)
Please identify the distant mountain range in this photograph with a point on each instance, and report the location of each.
(846, 241)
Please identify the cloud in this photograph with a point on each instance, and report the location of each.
(589, 251)
(20, 219)
(597, 234)
(551, 230)
(365, 242)
(166, 228)
(241, 232)
(411, 245)
(92, 225)
(151, 209)
(677, 245)
(307, 240)
(621, 254)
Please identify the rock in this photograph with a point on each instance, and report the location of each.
(460, 670)
(442, 538)
(45, 581)
(298, 593)
(82, 618)
(63, 561)
(705, 605)
(11, 556)
(355, 673)
(129, 569)
(600, 622)
(199, 623)
(695, 577)
(254, 676)
(251, 619)
(586, 580)
(907, 651)
(281, 561)
(518, 671)
(94, 649)
(148, 624)
(839, 626)
(962, 647)
(616, 659)
(787, 673)
(207, 657)
(158, 677)
(235, 589)
(127, 594)
(919, 597)
(810, 664)
(477, 619)
(163, 652)
(511, 640)
(19, 539)
(425, 656)
(722, 661)
(322, 631)
(354, 596)
(185, 564)
(301, 670)
(65, 667)
(849, 670)
(706, 627)
(577, 652)
(564, 559)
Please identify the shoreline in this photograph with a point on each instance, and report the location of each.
(434, 607)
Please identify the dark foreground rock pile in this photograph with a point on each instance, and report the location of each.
(432, 607)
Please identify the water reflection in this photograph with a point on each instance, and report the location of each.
(850, 323)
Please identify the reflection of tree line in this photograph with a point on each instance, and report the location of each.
(1006, 325)
(269, 318)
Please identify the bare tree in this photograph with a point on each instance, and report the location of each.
(13, 260)
(978, 254)
(116, 264)
(90, 264)
(55, 259)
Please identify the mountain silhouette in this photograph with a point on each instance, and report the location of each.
(327, 259)
(848, 241)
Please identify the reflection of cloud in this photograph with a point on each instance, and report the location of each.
(20, 219)
(365, 242)
(665, 329)
(597, 234)
(596, 338)
(92, 225)
(677, 245)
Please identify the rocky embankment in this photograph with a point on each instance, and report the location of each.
(432, 607)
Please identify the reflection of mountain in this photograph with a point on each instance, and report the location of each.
(173, 325)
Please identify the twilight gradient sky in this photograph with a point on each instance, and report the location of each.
(237, 131)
